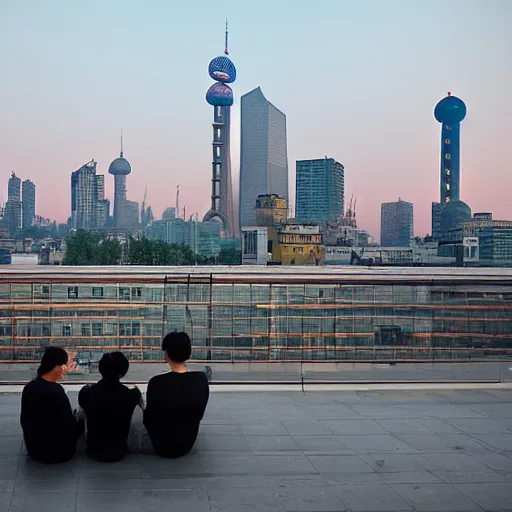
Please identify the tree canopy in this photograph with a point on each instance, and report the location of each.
(92, 248)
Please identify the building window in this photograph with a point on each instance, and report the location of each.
(136, 293)
(66, 330)
(135, 329)
(46, 330)
(86, 329)
(124, 293)
(97, 329)
(72, 292)
(97, 292)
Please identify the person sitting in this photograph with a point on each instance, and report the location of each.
(176, 401)
(50, 427)
(108, 407)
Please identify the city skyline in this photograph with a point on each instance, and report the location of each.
(363, 104)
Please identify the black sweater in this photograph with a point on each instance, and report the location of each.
(175, 406)
(50, 428)
(109, 408)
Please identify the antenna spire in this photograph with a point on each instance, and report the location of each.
(226, 40)
(121, 143)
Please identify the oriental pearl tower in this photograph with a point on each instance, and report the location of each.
(450, 111)
(220, 96)
(119, 168)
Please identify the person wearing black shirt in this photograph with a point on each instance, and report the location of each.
(50, 427)
(109, 406)
(176, 401)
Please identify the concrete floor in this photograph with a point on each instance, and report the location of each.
(395, 450)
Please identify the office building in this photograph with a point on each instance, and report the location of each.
(494, 238)
(220, 96)
(28, 199)
(396, 224)
(13, 206)
(320, 191)
(263, 153)
(89, 209)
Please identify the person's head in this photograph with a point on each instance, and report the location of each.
(113, 366)
(54, 364)
(177, 347)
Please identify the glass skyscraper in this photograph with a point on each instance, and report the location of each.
(396, 224)
(320, 190)
(263, 153)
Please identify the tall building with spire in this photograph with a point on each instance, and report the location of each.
(220, 96)
(126, 213)
(450, 210)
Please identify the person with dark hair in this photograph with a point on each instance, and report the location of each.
(50, 427)
(176, 401)
(109, 406)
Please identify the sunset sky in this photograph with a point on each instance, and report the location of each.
(357, 80)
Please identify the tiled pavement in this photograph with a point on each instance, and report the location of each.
(320, 451)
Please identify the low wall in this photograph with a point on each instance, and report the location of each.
(274, 372)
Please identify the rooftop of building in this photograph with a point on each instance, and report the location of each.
(359, 450)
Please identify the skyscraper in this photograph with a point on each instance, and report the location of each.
(13, 208)
(28, 199)
(263, 153)
(396, 224)
(450, 111)
(87, 198)
(320, 190)
(220, 96)
(120, 168)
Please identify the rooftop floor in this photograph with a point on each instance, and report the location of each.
(394, 450)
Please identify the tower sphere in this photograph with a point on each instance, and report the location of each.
(222, 70)
(120, 166)
(219, 95)
(450, 110)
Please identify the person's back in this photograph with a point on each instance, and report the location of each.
(109, 406)
(50, 428)
(176, 401)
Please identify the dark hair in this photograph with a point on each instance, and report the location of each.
(113, 365)
(52, 357)
(178, 347)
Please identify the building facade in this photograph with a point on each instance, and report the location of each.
(28, 199)
(299, 244)
(396, 224)
(87, 197)
(320, 190)
(263, 154)
(13, 206)
(313, 313)
(494, 239)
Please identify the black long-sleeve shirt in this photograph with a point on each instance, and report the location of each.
(109, 408)
(175, 407)
(50, 428)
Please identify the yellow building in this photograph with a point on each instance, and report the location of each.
(299, 244)
(271, 210)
